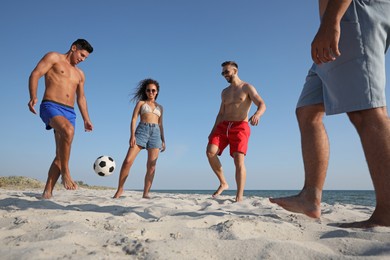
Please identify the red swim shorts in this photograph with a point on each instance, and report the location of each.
(233, 133)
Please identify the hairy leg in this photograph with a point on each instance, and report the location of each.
(315, 152)
(132, 153)
(373, 127)
(240, 175)
(150, 171)
(212, 151)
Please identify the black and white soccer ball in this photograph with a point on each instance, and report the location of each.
(104, 165)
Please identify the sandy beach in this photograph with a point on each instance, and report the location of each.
(89, 224)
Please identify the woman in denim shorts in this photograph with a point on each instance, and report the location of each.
(149, 134)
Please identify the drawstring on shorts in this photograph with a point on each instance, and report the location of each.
(229, 126)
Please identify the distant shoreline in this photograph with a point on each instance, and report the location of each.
(22, 182)
(332, 197)
(27, 182)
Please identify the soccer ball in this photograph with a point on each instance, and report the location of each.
(104, 165)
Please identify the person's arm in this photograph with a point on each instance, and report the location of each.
(82, 104)
(325, 45)
(133, 124)
(160, 123)
(43, 66)
(258, 101)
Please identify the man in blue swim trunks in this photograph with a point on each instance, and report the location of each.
(64, 84)
(348, 77)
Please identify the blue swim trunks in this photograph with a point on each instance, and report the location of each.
(148, 135)
(355, 80)
(50, 109)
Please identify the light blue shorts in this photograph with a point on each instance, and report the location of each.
(356, 79)
(148, 136)
(49, 109)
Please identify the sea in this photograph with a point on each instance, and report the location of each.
(331, 197)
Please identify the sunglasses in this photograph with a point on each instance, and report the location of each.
(151, 90)
(223, 73)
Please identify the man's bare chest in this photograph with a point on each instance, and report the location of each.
(65, 73)
(234, 97)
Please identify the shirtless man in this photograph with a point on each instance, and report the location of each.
(64, 83)
(348, 77)
(231, 127)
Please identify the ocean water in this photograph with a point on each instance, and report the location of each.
(355, 197)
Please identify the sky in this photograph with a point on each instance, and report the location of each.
(181, 44)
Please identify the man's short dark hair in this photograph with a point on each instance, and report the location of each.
(82, 44)
(229, 62)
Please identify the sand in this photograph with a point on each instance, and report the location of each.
(89, 224)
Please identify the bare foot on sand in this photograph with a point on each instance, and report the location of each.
(220, 189)
(46, 195)
(239, 198)
(68, 183)
(378, 219)
(118, 193)
(146, 197)
(299, 204)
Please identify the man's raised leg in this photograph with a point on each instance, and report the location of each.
(64, 132)
(315, 152)
(212, 151)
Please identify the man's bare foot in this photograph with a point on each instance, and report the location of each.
(299, 204)
(68, 183)
(118, 194)
(146, 196)
(220, 189)
(47, 195)
(376, 220)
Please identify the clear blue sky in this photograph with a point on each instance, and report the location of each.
(181, 44)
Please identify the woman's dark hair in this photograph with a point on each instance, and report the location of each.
(140, 91)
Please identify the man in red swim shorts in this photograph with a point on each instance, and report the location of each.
(233, 133)
(231, 126)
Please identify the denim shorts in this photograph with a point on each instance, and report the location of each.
(148, 135)
(49, 109)
(356, 79)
